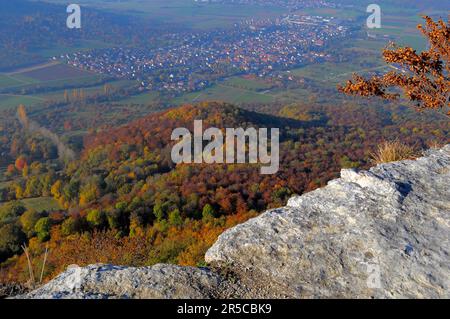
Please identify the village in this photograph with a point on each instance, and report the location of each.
(200, 59)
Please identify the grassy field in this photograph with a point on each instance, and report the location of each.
(9, 81)
(55, 72)
(334, 73)
(227, 93)
(189, 13)
(15, 80)
(347, 13)
(40, 204)
(399, 23)
(82, 46)
(46, 75)
(8, 101)
(58, 95)
(248, 83)
(144, 98)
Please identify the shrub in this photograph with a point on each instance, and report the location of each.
(28, 221)
(208, 212)
(175, 218)
(42, 228)
(11, 237)
(391, 151)
(96, 218)
(10, 211)
(73, 225)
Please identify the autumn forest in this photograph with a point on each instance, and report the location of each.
(88, 177)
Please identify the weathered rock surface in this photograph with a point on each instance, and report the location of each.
(382, 233)
(107, 281)
(9, 289)
(378, 233)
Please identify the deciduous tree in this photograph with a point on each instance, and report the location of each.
(423, 77)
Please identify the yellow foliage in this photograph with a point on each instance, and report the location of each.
(391, 151)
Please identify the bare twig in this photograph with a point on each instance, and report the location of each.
(43, 264)
(30, 266)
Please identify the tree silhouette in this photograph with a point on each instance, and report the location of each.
(424, 77)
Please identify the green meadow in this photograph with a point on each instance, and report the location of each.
(40, 204)
(188, 13)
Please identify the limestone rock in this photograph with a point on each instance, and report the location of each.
(107, 281)
(381, 233)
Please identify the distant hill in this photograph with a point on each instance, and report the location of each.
(32, 32)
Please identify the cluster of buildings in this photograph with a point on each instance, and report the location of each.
(291, 4)
(199, 59)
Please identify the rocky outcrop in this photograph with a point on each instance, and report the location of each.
(107, 281)
(11, 289)
(382, 233)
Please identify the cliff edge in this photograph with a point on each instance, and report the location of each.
(382, 233)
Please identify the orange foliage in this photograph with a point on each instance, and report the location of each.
(11, 168)
(423, 77)
(20, 163)
(185, 245)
